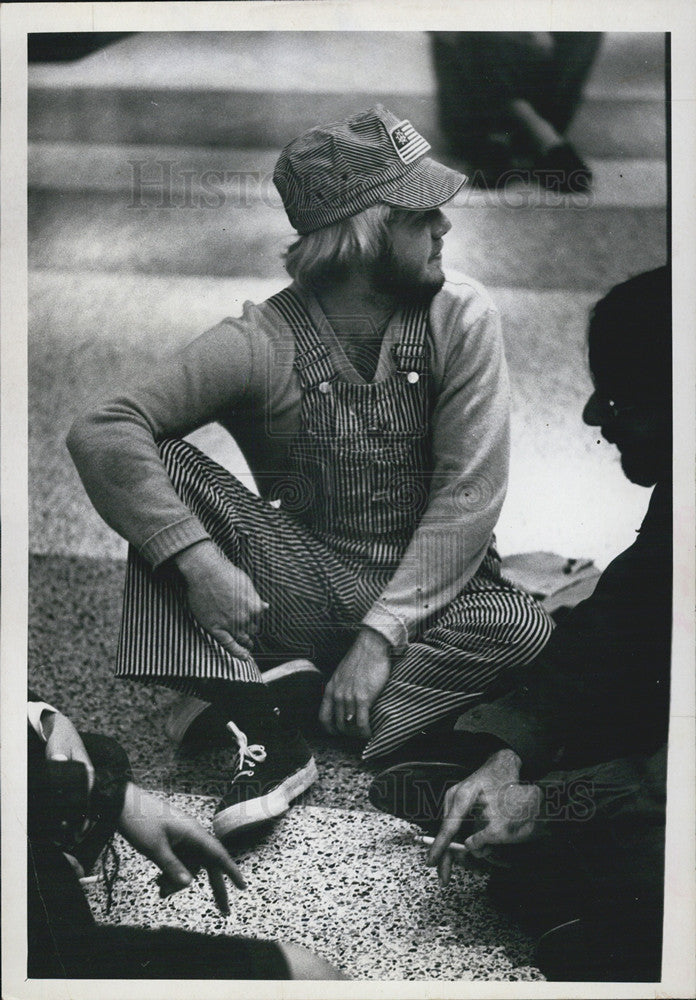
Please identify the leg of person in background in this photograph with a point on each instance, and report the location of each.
(476, 75)
(465, 112)
(573, 56)
(556, 165)
(545, 109)
(502, 94)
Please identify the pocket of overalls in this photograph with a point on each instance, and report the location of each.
(400, 486)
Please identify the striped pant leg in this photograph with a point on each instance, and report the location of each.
(291, 569)
(488, 630)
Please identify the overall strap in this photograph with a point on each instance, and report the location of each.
(312, 360)
(411, 352)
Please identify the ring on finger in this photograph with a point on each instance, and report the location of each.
(350, 718)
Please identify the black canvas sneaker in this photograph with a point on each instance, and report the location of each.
(192, 723)
(266, 783)
(296, 687)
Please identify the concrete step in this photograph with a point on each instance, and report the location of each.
(91, 333)
(602, 128)
(181, 175)
(262, 88)
(584, 247)
(628, 64)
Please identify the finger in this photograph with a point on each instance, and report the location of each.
(444, 868)
(258, 612)
(217, 858)
(217, 884)
(196, 848)
(232, 646)
(363, 721)
(256, 606)
(479, 843)
(458, 803)
(345, 713)
(175, 874)
(326, 712)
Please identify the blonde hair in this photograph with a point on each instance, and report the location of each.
(327, 253)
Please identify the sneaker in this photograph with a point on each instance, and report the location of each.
(265, 783)
(193, 724)
(415, 791)
(297, 688)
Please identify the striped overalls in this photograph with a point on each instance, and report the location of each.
(350, 502)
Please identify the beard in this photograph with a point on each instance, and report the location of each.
(390, 277)
(646, 467)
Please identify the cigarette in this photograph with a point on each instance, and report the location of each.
(89, 879)
(454, 846)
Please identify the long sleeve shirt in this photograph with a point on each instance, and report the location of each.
(600, 688)
(240, 373)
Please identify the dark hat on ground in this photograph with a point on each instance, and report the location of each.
(630, 339)
(334, 171)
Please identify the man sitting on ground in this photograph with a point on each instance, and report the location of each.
(574, 757)
(371, 404)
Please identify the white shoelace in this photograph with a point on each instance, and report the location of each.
(249, 756)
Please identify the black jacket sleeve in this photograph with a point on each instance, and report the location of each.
(600, 688)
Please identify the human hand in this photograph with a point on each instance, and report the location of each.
(177, 844)
(355, 685)
(221, 597)
(507, 809)
(63, 742)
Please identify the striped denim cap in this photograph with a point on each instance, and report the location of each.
(334, 171)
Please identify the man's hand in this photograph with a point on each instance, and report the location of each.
(508, 810)
(221, 597)
(177, 844)
(355, 685)
(63, 742)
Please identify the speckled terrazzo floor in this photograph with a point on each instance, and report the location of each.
(323, 872)
(331, 864)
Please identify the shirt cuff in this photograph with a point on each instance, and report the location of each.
(35, 709)
(384, 621)
(521, 733)
(167, 542)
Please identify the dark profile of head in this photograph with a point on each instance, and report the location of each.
(630, 356)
